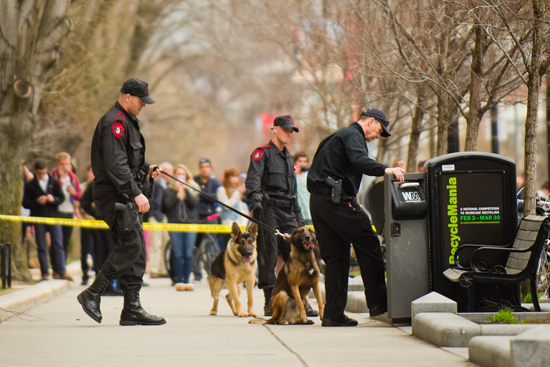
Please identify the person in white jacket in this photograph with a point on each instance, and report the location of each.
(231, 193)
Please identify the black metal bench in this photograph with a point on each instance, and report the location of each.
(523, 259)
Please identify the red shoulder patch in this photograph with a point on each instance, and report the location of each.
(118, 130)
(265, 147)
(257, 155)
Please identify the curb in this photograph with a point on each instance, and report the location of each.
(356, 302)
(444, 329)
(29, 297)
(490, 351)
(523, 345)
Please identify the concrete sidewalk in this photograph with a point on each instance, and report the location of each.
(58, 333)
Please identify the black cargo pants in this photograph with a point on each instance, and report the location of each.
(127, 259)
(285, 221)
(337, 226)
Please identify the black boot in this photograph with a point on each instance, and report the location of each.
(267, 305)
(310, 311)
(90, 297)
(134, 314)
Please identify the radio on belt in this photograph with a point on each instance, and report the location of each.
(408, 200)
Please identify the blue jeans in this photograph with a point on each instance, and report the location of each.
(67, 232)
(182, 254)
(56, 237)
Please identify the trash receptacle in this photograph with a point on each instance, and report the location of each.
(472, 200)
(406, 237)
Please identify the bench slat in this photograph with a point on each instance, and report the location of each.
(527, 235)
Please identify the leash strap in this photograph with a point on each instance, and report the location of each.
(261, 224)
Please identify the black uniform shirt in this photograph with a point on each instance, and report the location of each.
(343, 155)
(271, 172)
(118, 151)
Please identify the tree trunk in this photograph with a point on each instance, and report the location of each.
(146, 15)
(30, 53)
(533, 87)
(416, 129)
(474, 116)
(16, 125)
(444, 103)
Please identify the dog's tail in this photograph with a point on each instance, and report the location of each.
(258, 320)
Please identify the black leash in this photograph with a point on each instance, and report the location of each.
(261, 224)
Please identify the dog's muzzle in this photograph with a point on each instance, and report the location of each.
(247, 256)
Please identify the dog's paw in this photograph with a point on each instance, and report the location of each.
(251, 313)
(241, 314)
(213, 313)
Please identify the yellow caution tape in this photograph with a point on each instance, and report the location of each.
(99, 224)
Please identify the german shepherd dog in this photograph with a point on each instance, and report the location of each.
(297, 277)
(233, 266)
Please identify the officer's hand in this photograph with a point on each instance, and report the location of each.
(398, 172)
(257, 209)
(154, 171)
(142, 203)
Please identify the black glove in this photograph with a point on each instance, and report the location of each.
(257, 209)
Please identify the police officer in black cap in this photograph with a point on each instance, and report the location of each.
(271, 185)
(118, 162)
(333, 181)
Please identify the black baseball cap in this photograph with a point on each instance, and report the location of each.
(285, 122)
(137, 88)
(205, 160)
(380, 117)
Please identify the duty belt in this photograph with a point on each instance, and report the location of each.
(327, 192)
(282, 203)
(324, 191)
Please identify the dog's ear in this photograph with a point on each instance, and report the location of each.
(253, 229)
(235, 230)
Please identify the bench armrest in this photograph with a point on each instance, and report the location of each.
(496, 249)
(471, 249)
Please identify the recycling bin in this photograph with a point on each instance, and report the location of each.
(472, 200)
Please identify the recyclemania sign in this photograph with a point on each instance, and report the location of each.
(471, 208)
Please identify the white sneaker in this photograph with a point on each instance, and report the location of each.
(189, 287)
(180, 287)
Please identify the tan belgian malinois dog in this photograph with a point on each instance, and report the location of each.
(297, 277)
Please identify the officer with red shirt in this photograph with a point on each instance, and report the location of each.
(271, 185)
(118, 162)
